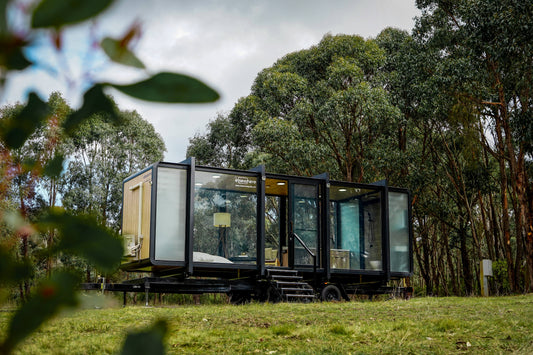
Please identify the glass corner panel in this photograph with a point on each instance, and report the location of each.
(399, 232)
(355, 220)
(171, 212)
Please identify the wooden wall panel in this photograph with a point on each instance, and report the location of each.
(130, 210)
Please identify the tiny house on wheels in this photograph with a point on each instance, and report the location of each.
(256, 235)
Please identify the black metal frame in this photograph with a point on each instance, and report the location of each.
(259, 208)
(261, 219)
(319, 183)
(323, 184)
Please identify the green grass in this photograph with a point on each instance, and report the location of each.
(418, 326)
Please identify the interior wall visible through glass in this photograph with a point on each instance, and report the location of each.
(355, 234)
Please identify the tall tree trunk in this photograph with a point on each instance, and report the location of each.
(529, 237)
(495, 228)
(486, 227)
(449, 260)
(465, 260)
(515, 157)
(524, 222)
(465, 257)
(52, 195)
(49, 244)
(434, 266)
(520, 242)
(24, 247)
(505, 206)
(422, 255)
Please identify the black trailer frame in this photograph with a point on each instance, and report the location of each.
(250, 276)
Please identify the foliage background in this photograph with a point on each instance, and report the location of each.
(444, 110)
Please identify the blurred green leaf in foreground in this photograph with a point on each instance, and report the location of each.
(79, 235)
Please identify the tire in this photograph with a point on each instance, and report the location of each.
(330, 293)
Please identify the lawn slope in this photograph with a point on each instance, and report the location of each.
(421, 325)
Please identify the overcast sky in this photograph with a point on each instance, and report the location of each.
(224, 43)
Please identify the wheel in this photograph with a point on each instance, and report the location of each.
(330, 293)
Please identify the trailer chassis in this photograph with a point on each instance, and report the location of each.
(239, 290)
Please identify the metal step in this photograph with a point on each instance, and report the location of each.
(281, 272)
(299, 298)
(296, 289)
(290, 285)
(297, 295)
(286, 277)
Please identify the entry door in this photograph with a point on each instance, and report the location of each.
(303, 222)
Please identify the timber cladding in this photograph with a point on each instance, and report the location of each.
(130, 214)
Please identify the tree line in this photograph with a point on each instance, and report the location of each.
(83, 175)
(445, 111)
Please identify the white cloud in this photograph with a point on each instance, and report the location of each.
(224, 43)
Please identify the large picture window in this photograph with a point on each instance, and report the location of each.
(171, 214)
(225, 218)
(355, 235)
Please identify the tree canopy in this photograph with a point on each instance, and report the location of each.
(101, 155)
(444, 110)
(320, 109)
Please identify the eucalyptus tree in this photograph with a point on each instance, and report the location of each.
(101, 154)
(216, 146)
(315, 110)
(485, 51)
(35, 166)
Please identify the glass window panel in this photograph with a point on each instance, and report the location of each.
(225, 218)
(372, 253)
(355, 218)
(171, 214)
(275, 227)
(305, 222)
(399, 232)
(350, 236)
(276, 222)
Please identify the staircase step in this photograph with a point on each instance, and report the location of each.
(286, 277)
(296, 289)
(300, 297)
(271, 272)
(291, 284)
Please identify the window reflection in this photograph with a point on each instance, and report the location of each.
(225, 215)
(305, 215)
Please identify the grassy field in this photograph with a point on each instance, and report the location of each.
(419, 326)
